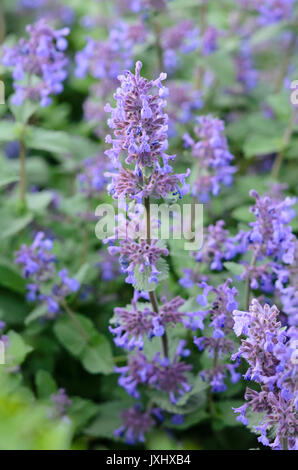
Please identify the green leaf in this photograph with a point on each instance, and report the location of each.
(6, 180)
(97, 358)
(38, 202)
(51, 141)
(17, 349)
(16, 226)
(38, 312)
(69, 336)
(81, 411)
(234, 268)
(243, 214)
(262, 145)
(45, 384)
(108, 420)
(142, 277)
(188, 403)
(189, 420)
(94, 353)
(225, 414)
(24, 112)
(10, 277)
(7, 131)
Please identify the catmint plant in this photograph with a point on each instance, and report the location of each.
(140, 142)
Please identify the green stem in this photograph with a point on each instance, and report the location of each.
(248, 279)
(286, 140)
(152, 295)
(23, 177)
(158, 46)
(2, 26)
(284, 443)
(75, 322)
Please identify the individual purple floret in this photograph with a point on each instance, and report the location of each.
(219, 345)
(271, 352)
(182, 38)
(61, 403)
(136, 423)
(219, 246)
(40, 62)
(213, 156)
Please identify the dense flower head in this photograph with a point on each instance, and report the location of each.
(219, 246)
(271, 11)
(271, 355)
(209, 40)
(131, 324)
(270, 233)
(105, 59)
(160, 373)
(51, 10)
(219, 344)
(37, 259)
(39, 268)
(185, 101)
(213, 156)
(139, 123)
(41, 61)
(136, 423)
(128, 183)
(92, 179)
(141, 254)
(181, 38)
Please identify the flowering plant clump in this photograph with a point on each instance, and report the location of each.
(149, 254)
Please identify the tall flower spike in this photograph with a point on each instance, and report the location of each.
(213, 157)
(270, 352)
(139, 123)
(41, 58)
